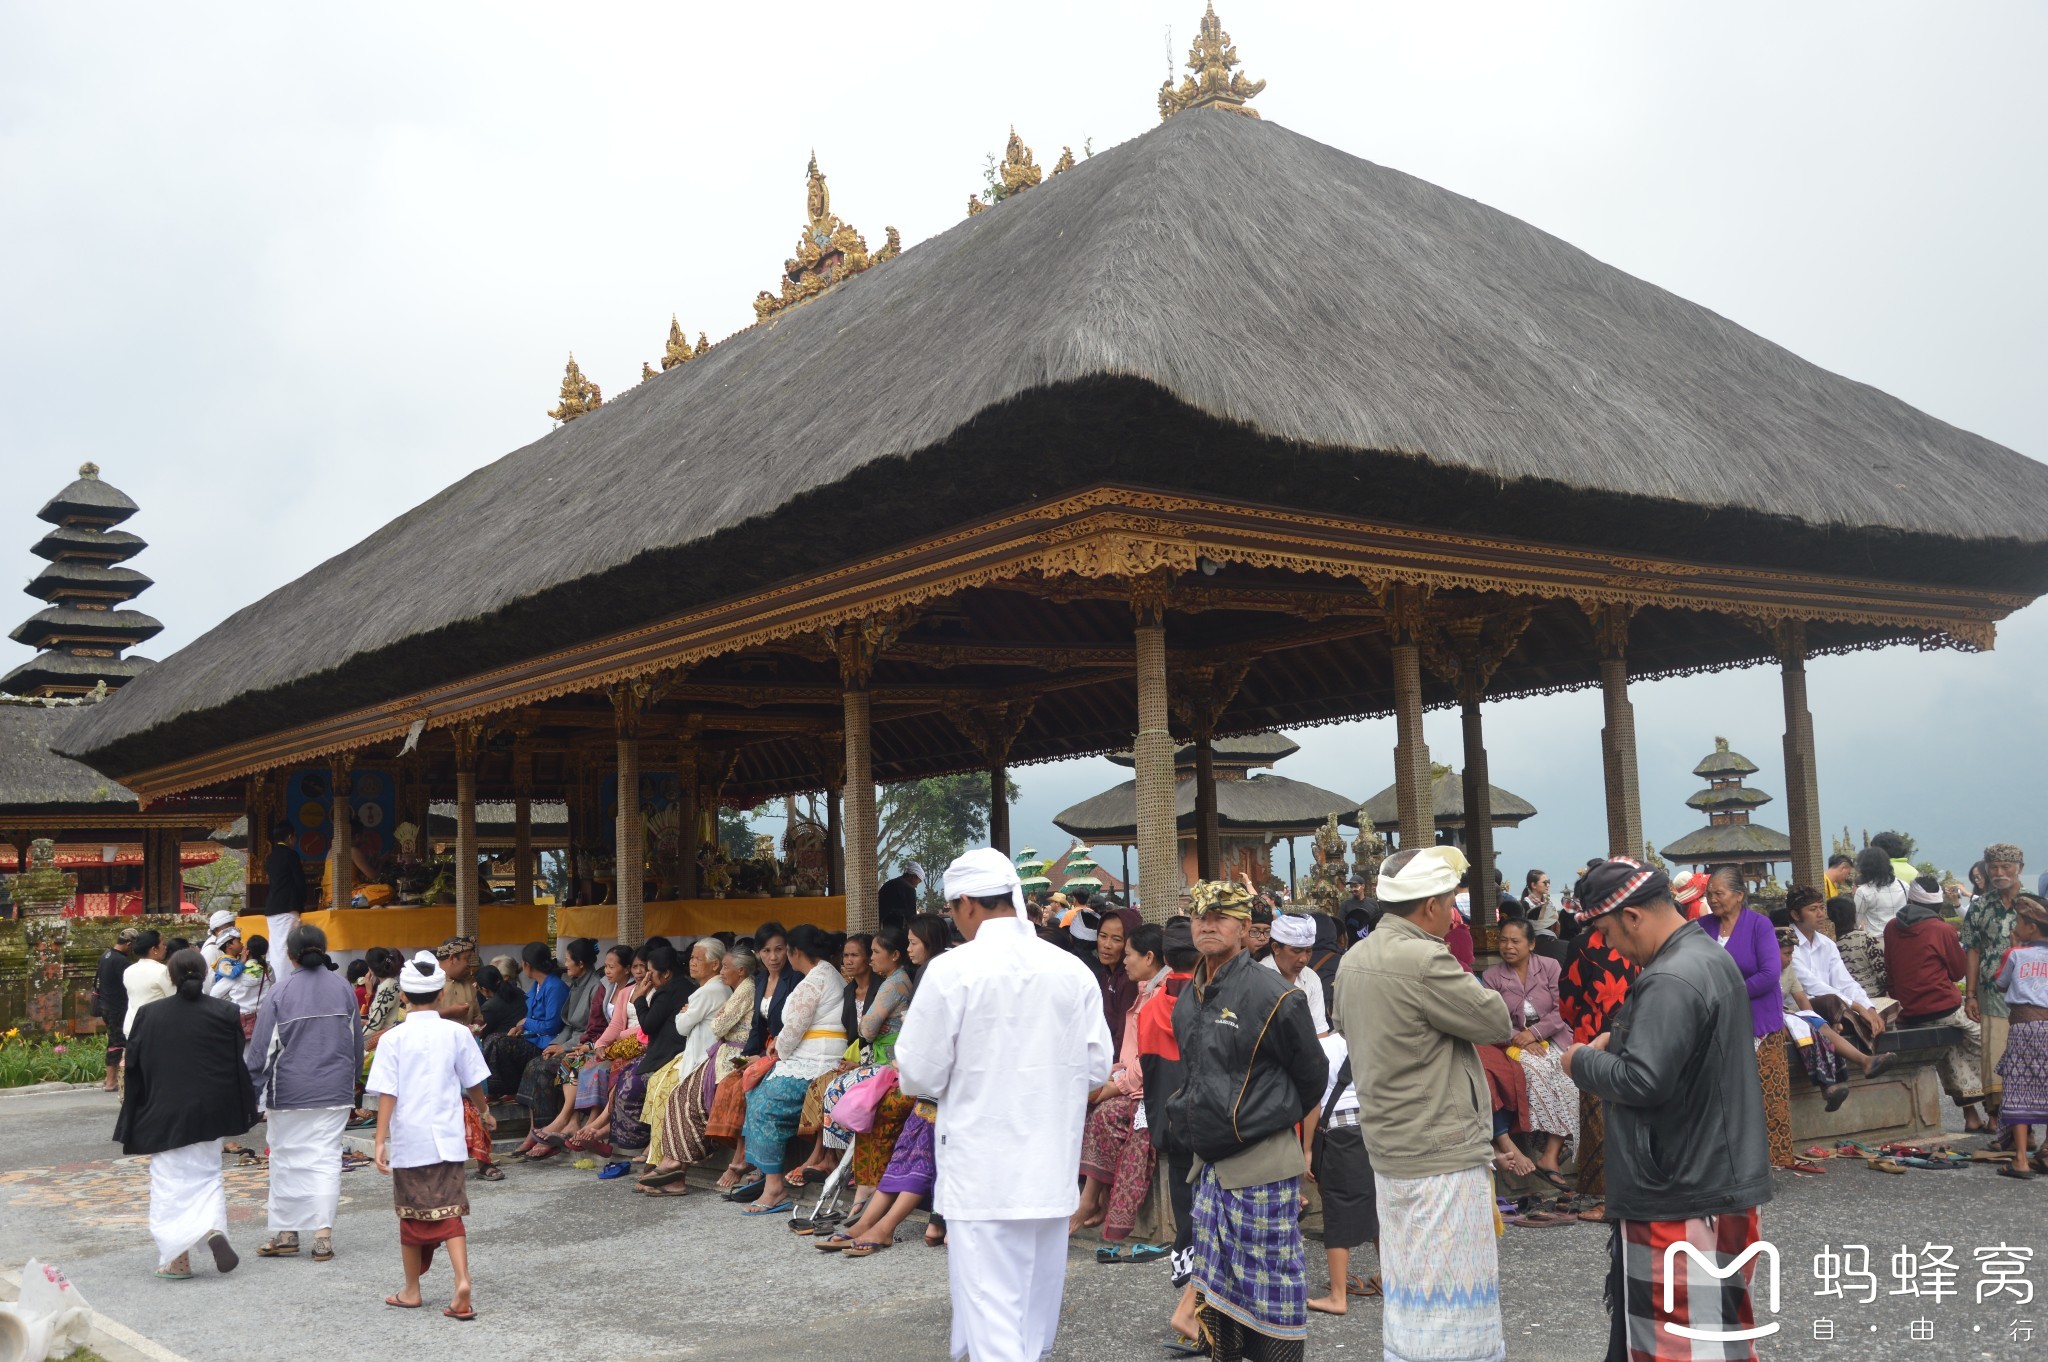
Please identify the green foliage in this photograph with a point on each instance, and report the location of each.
(736, 832)
(992, 172)
(218, 884)
(77, 1059)
(931, 821)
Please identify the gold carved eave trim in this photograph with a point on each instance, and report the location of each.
(1119, 532)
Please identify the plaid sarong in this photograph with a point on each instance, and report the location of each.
(1702, 1300)
(1248, 1262)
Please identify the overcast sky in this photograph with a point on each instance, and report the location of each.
(285, 272)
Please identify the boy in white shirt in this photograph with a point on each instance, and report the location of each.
(424, 1068)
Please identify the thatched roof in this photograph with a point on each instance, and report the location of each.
(89, 498)
(131, 626)
(112, 545)
(66, 672)
(1262, 803)
(1730, 842)
(1722, 763)
(33, 776)
(1729, 797)
(1447, 794)
(1219, 306)
(1241, 752)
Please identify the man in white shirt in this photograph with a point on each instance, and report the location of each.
(217, 928)
(1294, 941)
(424, 1068)
(1817, 963)
(1006, 1034)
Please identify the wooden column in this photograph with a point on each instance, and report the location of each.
(257, 816)
(340, 863)
(999, 807)
(163, 884)
(863, 886)
(629, 828)
(1618, 735)
(468, 915)
(1159, 870)
(1205, 807)
(688, 829)
(835, 843)
(1802, 783)
(522, 821)
(1478, 811)
(1411, 753)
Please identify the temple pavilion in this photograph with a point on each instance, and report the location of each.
(1233, 829)
(1448, 801)
(1730, 838)
(124, 858)
(1219, 431)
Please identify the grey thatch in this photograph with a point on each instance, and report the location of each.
(1729, 842)
(1447, 794)
(496, 821)
(112, 545)
(1722, 763)
(1242, 751)
(1261, 803)
(1728, 797)
(1274, 319)
(130, 626)
(35, 778)
(68, 673)
(57, 577)
(89, 499)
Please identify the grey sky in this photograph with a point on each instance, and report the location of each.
(285, 273)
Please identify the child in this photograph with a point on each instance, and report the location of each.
(1343, 1174)
(424, 1067)
(2023, 979)
(358, 979)
(1824, 1061)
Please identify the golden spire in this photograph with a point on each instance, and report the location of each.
(678, 351)
(1066, 161)
(704, 341)
(1019, 171)
(828, 251)
(1214, 84)
(646, 371)
(579, 394)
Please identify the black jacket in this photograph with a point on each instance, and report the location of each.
(1250, 1061)
(286, 891)
(110, 990)
(768, 1026)
(896, 904)
(1685, 1118)
(656, 1014)
(186, 1081)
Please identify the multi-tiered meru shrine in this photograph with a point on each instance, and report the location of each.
(1221, 430)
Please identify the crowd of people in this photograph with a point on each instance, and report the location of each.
(1028, 1070)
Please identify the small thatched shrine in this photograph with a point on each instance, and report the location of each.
(1730, 838)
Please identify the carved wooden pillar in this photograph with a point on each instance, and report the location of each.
(257, 817)
(468, 914)
(1478, 808)
(341, 864)
(860, 646)
(999, 807)
(522, 818)
(629, 831)
(1802, 783)
(1159, 870)
(1411, 752)
(163, 883)
(1201, 692)
(835, 845)
(1618, 735)
(688, 831)
(1205, 807)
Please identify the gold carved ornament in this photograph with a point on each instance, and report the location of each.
(678, 350)
(579, 395)
(827, 252)
(1214, 84)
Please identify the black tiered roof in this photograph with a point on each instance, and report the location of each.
(83, 631)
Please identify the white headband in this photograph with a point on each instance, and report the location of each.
(1430, 872)
(413, 979)
(1294, 929)
(984, 873)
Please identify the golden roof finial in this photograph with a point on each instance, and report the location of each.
(1066, 161)
(1014, 174)
(1214, 84)
(828, 251)
(678, 351)
(646, 371)
(579, 394)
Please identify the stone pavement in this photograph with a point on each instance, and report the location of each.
(573, 1269)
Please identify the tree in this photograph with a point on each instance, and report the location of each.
(218, 884)
(931, 821)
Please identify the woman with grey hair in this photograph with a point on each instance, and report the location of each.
(715, 1024)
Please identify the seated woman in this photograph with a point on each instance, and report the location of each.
(711, 1051)
(540, 1087)
(1528, 982)
(811, 1042)
(509, 1054)
(504, 1006)
(588, 1063)
(1823, 1062)
(875, 1019)
(662, 997)
(1117, 1157)
(856, 968)
(692, 1029)
(613, 1052)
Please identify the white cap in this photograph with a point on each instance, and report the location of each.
(913, 868)
(223, 917)
(983, 873)
(422, 974)
(1294, 929)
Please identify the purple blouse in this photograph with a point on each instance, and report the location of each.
(1539, 988)
(1753, 945)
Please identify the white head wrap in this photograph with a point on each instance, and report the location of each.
(1294, 929)
(1915, 894)
(913, 868)
(984, 873)
(1086, 926)
(1430, 872)
(422, 974)
(223, 917)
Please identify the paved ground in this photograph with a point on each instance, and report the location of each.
(575, 1269)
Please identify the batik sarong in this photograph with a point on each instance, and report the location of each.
(629, 1100)
(661, 1089)
(913, 1167)
(2023, 1069)
(1553, 1097)
(773, 1110)
(1592, 1146)
(1776, 1077)
(683, 1119)
(1703, 1300)
(728, 1115)
(431, 1201)
(837, 1136)
(873, 1147)
(1248, 1258)
(1439, 1268)
(1114, 1152)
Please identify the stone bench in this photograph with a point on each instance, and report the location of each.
(1903, 1103)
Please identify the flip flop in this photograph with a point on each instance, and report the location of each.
(174, 1276)
(396, 1304)
(746, 1192)
(270, 1248)
(464, 1315)
(833, 1243)
(323, 1253)
(777, 1209)
(863, 1248)
(1354, 1285)
(1148, 1253)
(614, 1170)
(1808, 1170)
(1884, 1166)
(225, 1259)
(2018, 1174)
(663, 1179)
(1111, 1254)
(490, 1172)
(1557, 1179)
(1180, 1345)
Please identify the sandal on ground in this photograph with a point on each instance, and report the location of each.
(660, 1178)
(323, 1249)
(614, 1170)
(1110, 1254)
(930, 1242)
(1885, 1166)
(278, 1246)
(833, 1243)
(170, 1276)
(680, 1189)
(249, 1158)
(490, 1172)
(866, 1248)
(225, 1259)
(1354, 1285)
(778, 1208)
(464, 1315)
(2021, 1174)
(746, 1192)
(1180, 1345)
(1808, 1170)
(396, 1304)
(539, 1152)
(1557, 1179)
(1149, 1253)
(1541, 1220)
(1595, 1214)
